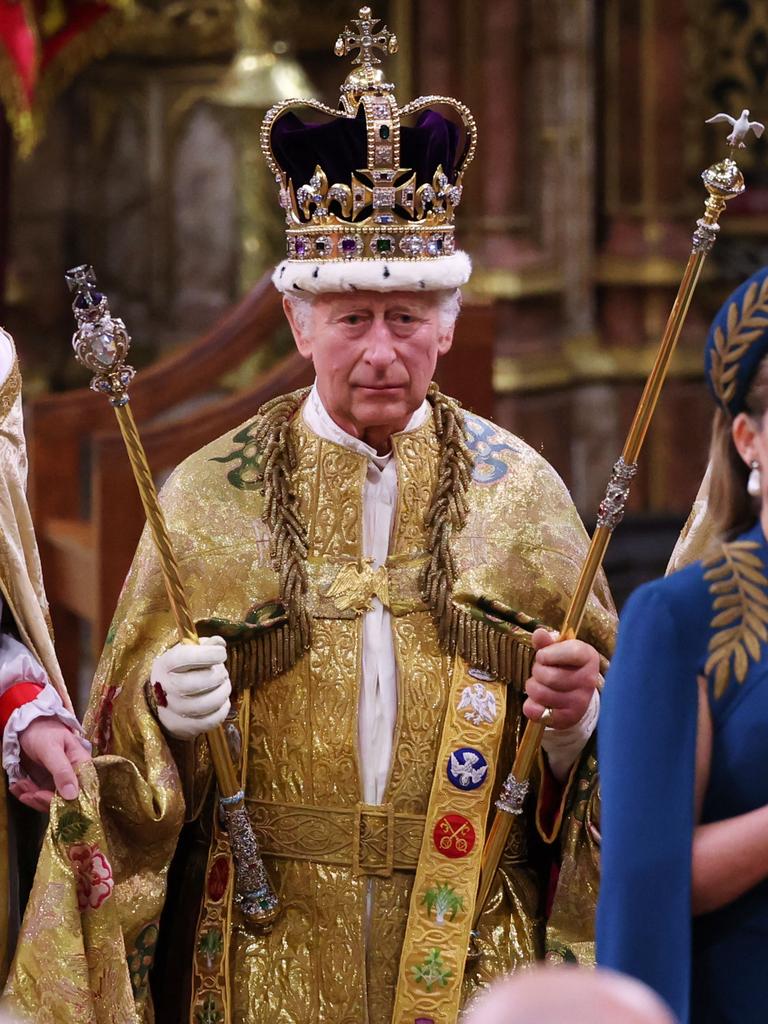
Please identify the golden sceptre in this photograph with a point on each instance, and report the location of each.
(101, 344)
(723, 181)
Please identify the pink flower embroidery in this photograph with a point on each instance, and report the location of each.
(94, 876)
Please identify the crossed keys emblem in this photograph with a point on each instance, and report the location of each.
(454, 836)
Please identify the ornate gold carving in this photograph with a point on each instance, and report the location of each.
(739, 589)
(744, 326)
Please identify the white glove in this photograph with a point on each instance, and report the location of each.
(191, 687)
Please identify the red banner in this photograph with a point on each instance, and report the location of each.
(43, 45)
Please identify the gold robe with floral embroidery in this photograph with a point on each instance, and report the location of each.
(344, 871)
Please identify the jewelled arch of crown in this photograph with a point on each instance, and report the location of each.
(380, 213)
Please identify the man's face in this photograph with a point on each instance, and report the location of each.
(374, 355)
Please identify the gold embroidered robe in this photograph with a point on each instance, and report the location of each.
(343, 870)
(21, 587)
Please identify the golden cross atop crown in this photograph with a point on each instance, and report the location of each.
(366, 40)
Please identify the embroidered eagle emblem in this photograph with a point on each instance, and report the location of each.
(739, 589)
(481, 703)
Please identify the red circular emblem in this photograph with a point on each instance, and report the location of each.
(454, 836)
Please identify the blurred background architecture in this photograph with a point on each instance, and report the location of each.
(131, 142)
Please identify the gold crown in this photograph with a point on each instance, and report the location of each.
(381, 211)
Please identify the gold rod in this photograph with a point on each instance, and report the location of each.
(217, 740)
(149, 499)
(530, 743)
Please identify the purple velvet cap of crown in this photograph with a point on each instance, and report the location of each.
(340, 147)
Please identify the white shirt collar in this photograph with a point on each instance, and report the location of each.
(319, 420)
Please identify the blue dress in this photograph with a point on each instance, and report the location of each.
(710, 620)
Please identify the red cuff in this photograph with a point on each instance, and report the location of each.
(16, 696)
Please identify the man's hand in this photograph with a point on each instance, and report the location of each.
(50, 751)
(564, 677)
(191, 687)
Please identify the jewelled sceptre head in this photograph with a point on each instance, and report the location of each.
(723, 182)
(101, 341)
(101, 344)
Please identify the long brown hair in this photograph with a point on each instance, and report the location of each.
(732, 509)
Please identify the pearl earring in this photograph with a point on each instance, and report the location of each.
(753, 483)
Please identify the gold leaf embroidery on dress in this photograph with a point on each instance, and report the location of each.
(743, 328)
(739, 588)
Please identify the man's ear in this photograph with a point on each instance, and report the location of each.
(298, 323)
(744, 432)
(445, 340)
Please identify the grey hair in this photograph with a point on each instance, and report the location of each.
(449, 307)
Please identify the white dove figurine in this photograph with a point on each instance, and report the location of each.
(741, 128)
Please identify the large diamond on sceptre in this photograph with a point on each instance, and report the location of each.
(101, 341)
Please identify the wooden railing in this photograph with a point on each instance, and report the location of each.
(85, 505)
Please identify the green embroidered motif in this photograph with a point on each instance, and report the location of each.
(210, 947)
(140, 960)
(444, 901)
(245, 476)
(259, 619)
(432, 972)
(211, 1012)
(72, 827)
(743, 327)
(739, 587)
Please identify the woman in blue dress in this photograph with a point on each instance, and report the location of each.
(683, 742)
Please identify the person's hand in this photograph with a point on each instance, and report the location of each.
(50, 752)
(564, 677)
(191, 687)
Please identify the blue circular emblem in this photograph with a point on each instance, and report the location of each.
(467, 768)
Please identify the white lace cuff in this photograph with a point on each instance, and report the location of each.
(47, 704)
(563, 746)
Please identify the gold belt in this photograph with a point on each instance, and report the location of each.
(370, 839)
